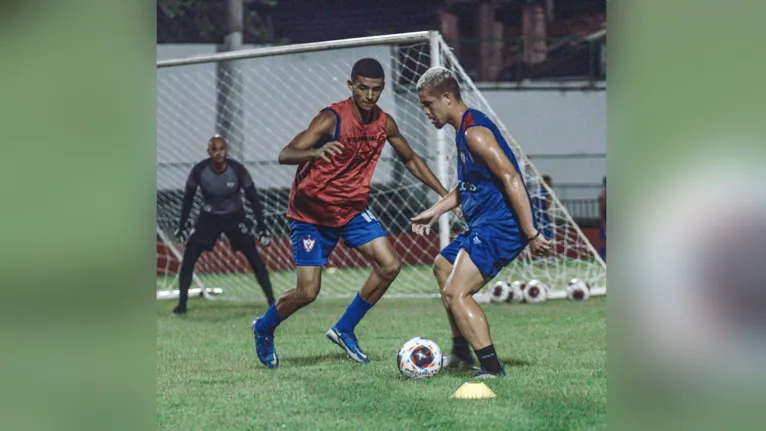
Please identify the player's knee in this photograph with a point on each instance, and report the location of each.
(452, 295)
(308, 296)
(308, 290)
(390, 271)
(449, 296)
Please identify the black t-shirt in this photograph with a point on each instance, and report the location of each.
(221, 192)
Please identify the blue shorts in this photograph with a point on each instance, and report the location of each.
(313, 244)
(491, 247)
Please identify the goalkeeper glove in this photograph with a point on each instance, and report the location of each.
(263, 235)
(182, 232)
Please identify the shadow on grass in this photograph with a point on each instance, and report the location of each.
(515, 363)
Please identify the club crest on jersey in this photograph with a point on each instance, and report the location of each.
(230, 184)
(308, 244)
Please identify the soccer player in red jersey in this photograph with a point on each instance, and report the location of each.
(336, 157)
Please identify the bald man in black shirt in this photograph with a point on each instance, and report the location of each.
(223, 211)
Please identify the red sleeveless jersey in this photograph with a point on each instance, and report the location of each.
(332, 193)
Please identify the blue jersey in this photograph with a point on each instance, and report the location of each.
(482, 194)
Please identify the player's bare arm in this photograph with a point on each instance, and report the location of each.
(421, 223)
(482, 144)
(412, 161)
(186, 206)
(300, 149)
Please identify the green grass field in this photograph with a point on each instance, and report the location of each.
(209, 378)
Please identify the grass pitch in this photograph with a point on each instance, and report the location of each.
(208, 376)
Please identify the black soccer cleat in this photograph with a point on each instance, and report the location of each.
(179, 310)
(462, 362)
(483, 374)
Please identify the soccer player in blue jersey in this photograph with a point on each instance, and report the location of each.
(496, 208)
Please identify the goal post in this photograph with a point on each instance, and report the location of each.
(281, 88)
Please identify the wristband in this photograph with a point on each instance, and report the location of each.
(534, 237)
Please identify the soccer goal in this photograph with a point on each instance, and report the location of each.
(260, 98)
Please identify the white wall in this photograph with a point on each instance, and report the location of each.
(560, 123)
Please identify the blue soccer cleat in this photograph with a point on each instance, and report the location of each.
(264, 347)
(349, 343)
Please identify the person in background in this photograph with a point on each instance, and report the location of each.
(602, 219)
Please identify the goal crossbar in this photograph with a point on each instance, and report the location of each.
(413, 37)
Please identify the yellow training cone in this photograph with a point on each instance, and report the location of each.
(473, 390)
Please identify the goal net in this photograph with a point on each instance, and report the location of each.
(261, 98)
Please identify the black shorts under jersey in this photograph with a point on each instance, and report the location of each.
(209, 227)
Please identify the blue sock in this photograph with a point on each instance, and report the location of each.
(354, 313)
(270, 320)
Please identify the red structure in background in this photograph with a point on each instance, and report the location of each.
(412, 250)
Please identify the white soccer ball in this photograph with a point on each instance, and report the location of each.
(536, 292)
(578, 290)
(516, 294)
(500, 291)
(419, 358)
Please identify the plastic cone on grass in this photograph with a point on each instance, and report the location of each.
(473, 390)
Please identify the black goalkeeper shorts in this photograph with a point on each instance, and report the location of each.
(209, 227)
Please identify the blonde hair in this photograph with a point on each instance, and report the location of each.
(441, 79)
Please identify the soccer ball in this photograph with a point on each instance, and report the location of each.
(419, 358)
(578, 290)
(516, 294)
(536, 292)
(500, 292)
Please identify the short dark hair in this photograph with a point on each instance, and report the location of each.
(369, 68)
(547, 178)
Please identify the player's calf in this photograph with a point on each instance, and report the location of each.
(463, 282)
(296, 298)
(306, 297)
(460, 356)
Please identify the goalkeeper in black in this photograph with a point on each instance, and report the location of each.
(221, 180)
